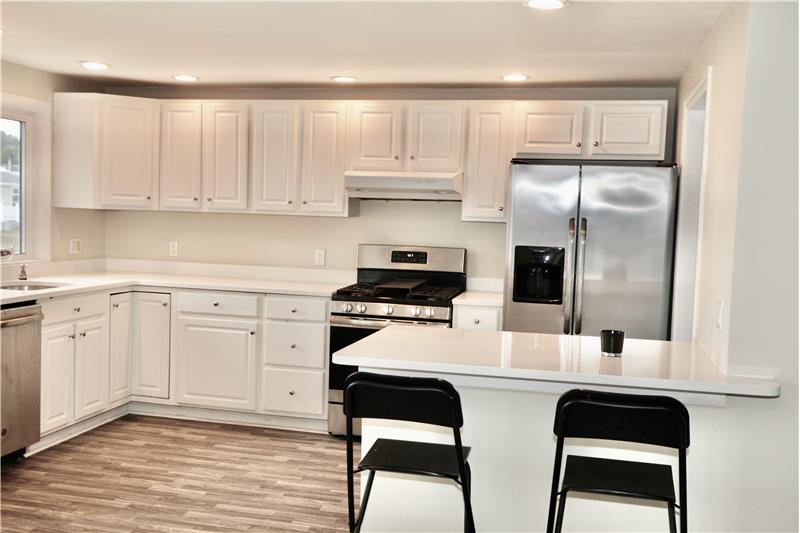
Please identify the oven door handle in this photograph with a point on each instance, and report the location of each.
(380, 323)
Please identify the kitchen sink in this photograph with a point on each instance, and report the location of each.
(22, 286)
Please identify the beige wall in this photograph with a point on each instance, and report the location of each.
(725, 51)
(88, 226)
(277, 240)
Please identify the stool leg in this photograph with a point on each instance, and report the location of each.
(671, 510)
(562, 502)
(466, 490)
(363, 507)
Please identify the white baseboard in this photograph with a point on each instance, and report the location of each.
(74, 430)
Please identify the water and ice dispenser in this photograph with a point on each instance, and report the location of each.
(538, 275)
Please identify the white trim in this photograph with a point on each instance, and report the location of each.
(38, 181)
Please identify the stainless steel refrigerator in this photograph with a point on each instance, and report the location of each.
(590, 247)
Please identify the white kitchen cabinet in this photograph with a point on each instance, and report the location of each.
(274, 157)
(91, 366)
(629, 130)
(151, 344)
(121, 347)
(477, 318)
(217, 362)
(551, 128)
(435, 136)
(295, 344)
(375, 136)
(105, 151)
(489, 153)
(58, 377)
(294, 392)
(323, 158)
(224, 160)
(181, 139)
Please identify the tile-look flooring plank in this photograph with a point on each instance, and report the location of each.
(146, 475)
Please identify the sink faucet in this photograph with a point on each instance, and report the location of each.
(23, 275)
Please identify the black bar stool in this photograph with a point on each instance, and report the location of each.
(656, 420)
(425, 400)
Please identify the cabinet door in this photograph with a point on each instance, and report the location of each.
(217, 365)
(58, 377)
(225, 156)
(128, 148)
(630, 130)
(180, 177)
(274, 156)
(121, 346)
(374, 136)
(435, 136)
(323, 158)
(488, 162)
(549, 128)
(151, 327)
(294, 392)
(91, 367)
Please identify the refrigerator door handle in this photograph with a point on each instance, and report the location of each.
(582, 235)
(569, 277)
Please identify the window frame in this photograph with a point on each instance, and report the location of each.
(36, 185)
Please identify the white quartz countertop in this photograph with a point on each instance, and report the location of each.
(645, 364)
(479, 299)
(109, 280)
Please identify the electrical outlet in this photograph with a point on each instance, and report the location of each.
(173, 248)
(720, 312)
(319, 257)
(74, 246)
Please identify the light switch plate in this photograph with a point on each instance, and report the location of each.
(319, 257)
(173, 248)
(74, 246)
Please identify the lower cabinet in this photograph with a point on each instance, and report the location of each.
(296, 392)
(217, 362)
(58, 376)
(91, 367)
(477, 318)
(121, 347)
(151, 347)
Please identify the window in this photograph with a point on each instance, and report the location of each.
(12, 185)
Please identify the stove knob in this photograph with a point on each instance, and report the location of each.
(348, 308)
(416, 311)
(362, 308)
(429, 312)
(389, 309)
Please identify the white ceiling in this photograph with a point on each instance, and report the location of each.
(378, 42)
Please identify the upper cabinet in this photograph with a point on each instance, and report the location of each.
(225, 156)
(623, 130)
(375, 136)
(549, 128)
(488, 156)
(181, 140)
(435, 136)
(274, 156)
(105, 151)
(629, 130)
(324, 147)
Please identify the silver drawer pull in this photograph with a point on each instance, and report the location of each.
(293, 346)
(77, 309)
(164, 304)
(71, 336)
(477, 321)
(291, 393)
(293, 309)
(83, 333)
(215, 304)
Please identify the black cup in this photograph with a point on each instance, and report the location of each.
(611, 341)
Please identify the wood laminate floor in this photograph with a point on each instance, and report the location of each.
(144, 474)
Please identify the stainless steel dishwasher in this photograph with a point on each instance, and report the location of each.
(20, 359)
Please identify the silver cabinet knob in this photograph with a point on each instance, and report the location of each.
(149, 197)
(291, 393)
(290, 202)
(596, 143)
(83, 333)
(411, 157)
(208, 199)
(252, 332)
(500, 208)
(215, 304)
(164, 304)
(77, 309)
(195, 199)
(305, 202)
(477, 321)
(396, 158)
(115, 306)
(293, 309)
(71, 336)
(578, 144)
(293, 346)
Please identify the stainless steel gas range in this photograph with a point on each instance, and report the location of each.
(410, 285)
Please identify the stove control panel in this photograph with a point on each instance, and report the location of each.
(419, 258)
(398, 311)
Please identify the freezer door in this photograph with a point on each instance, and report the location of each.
(624, 254)
(540, 248)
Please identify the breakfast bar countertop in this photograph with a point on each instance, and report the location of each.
(645, 364)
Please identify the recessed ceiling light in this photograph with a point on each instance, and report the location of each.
(344, 79)
(545, 4)
(94, 65)
(515, 77)
(184, 77)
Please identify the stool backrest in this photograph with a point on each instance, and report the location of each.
(657, 420)
(425, 400)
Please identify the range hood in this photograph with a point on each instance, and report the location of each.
(394, 185)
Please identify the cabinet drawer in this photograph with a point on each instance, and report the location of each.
(297, 392)
(218, 303)
(74, 308)
(295, 344)
(477, 318)
(296, 308)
